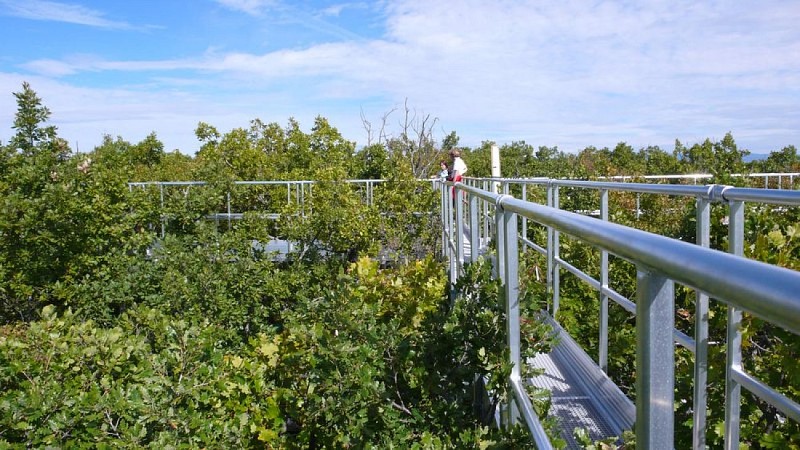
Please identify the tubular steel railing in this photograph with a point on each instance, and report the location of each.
(296, 193)
(770, 292)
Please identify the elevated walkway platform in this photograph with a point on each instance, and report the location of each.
(582, 395)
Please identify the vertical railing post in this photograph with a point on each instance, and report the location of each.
(474, 229)
(459, 229)
(303, 198)
(638, 206)
(443, 216)
(655, 360)
(550, 261)
(602, 358)
(525, 219)
(485, 218)
(556, 254)
(163, 216)
(450, 253)
(733, 390)
(701, 336)
(501, 241)
(511, 289)
(228, 202)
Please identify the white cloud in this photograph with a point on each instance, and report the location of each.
(252, 7)
(59, 12)
(563, 73)
(336, 10)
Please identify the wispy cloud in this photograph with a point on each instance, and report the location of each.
(59, 12)
(561, 73)
(252, 7)
(336, 10)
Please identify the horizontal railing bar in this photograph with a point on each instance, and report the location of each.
(533, 245)
(240, 216)
(769, 174)
(260, 182)
(771, 196)
(619, 299)
(642, 188)
(679, 336)
(684, 340)
(766, 393)
(538, 434)
(578, 273)
(480, 193)
(770, 292)
(729, 193)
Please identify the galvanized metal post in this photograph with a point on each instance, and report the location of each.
(701, 336)
(474, 229)
(638, 207)
(501, 242)
(303, 199)
(443, 216)
(602, 358)
(459, 229)
(550, 261)
(733, 390)
(556, 254)
(229, 210)
(163, 216)
(450, 251)
(655, 360)
(511, 289)
(485, 219)
(525, 219)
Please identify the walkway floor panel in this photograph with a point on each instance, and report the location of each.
(582, 395)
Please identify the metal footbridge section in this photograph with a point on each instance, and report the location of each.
(582, 395)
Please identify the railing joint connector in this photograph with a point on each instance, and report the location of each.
(716, 192)
(498, 203)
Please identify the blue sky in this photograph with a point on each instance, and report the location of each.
(564, 73)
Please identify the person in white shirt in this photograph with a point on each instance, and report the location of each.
(459, 167)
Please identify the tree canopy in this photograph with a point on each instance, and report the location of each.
(129, 317)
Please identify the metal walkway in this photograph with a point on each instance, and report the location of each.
(581, 394)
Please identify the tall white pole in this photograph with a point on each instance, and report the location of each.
(496, 167)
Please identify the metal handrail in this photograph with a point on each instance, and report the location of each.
(770, 292)
(296, 190)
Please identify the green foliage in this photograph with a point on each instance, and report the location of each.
(31, 115)
(371, 163)
(200, 339)
(152, 381)
(582, 438)
(337, 221)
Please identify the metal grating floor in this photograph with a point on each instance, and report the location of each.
(570, 404)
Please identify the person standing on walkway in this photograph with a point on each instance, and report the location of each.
(458, 166)
(444, 171)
